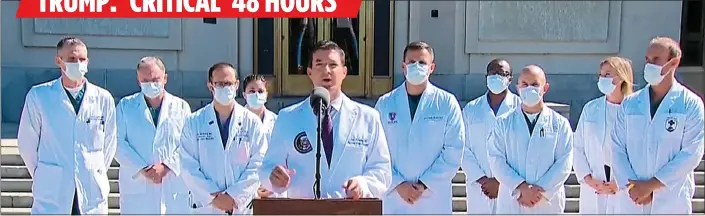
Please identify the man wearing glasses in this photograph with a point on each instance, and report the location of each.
(222, 145)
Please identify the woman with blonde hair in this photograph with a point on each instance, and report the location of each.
(592, 155)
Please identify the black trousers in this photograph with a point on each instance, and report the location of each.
(75, 210)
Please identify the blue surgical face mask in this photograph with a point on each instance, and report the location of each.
(256, 100)
(605, 85)
(151, 89)
(652, 74)
(224, 95)
(416, 73)
(76, 70)
(530, 95)
(497, 84)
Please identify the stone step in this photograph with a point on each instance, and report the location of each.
(21, 172)
(27, 211)
(571, 205)
(25, 185)
(24, 200)
(573, 180)
(16, 160)
(10, 157)
(571, 191)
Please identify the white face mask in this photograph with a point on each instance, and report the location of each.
(497, 84)
(76, 70)
(530, 96)
(416, 73)
(151, 89)
(256, 100)
(652, 74)
(605, 85)
(224, 95)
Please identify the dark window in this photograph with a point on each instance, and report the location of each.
(265, 46)
(692, 33)
(382, 33)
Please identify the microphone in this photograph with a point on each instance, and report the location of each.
(320, 100)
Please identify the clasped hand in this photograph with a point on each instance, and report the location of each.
(490, 186)
(410, 191)
(601, 187)
(642, 192)
(530, 195)
(224, 202)
(156, 172)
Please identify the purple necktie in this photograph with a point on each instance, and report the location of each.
(327, 135)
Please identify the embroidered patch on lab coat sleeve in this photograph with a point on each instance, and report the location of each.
(302, 144)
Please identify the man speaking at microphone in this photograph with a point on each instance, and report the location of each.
(355, 160)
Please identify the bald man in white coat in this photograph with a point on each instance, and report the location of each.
(531, 154)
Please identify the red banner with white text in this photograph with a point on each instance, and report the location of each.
(188, 8)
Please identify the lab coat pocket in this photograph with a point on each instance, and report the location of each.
(546, 148)
(46, 179)
(354, 155)
(95, 134)
(480, 131)
(240, 153)
(98, 183)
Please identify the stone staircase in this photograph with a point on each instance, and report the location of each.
(16, 184)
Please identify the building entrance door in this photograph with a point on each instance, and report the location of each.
(361, 38)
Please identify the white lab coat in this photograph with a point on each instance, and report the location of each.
(428, 148)
(543, 159)
(209, 168)
(591, 140)
(479, 120)
(141, 144)
(65, 151)
(268, 122)
(359, 152)
(644, 148)
(268, 125)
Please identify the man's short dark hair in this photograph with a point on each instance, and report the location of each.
(326, 45)
(69, 41)
(217, 66)
(497, 61)
(418, 45)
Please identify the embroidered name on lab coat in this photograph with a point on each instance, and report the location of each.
(358, 141)
(96, 118)
(433, 118)
(204, 136)
(241, 134)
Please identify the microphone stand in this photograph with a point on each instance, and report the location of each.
(319, 141)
